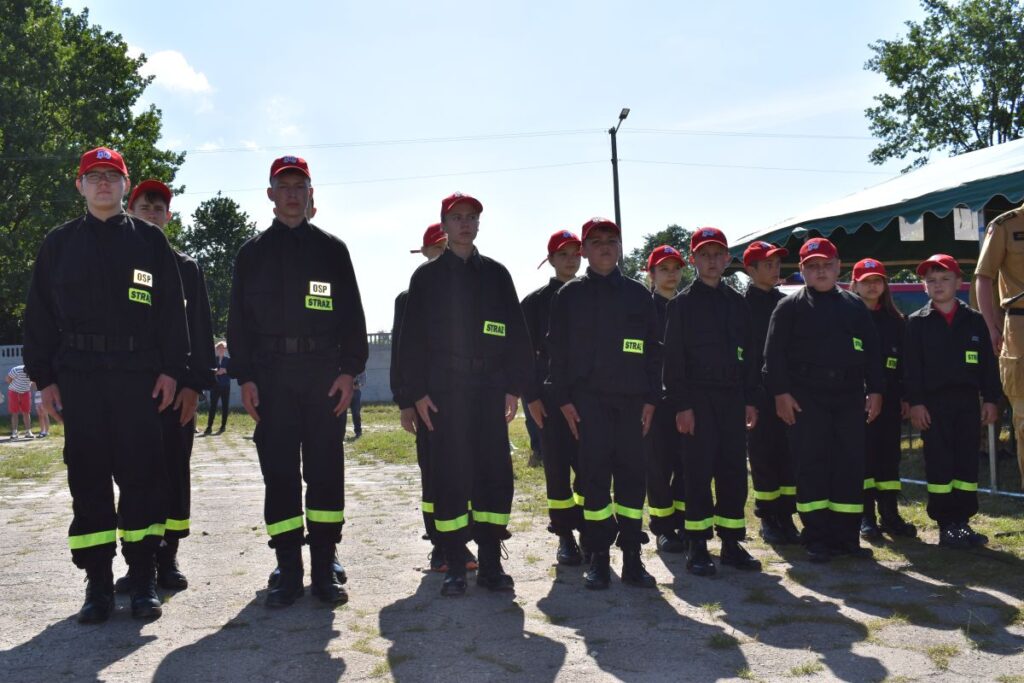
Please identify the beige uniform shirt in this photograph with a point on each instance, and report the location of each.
(1002, 255)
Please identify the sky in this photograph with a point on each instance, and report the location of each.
(742, 114)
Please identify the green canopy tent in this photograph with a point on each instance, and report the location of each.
(942, 207)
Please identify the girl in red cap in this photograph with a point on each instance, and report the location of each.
(882, 457)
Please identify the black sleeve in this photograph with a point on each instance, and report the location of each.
(519, 377)
(991, 385)
(751, 361)
(874, 370)
(202, 362)
(913, 370)
(351, 322)
(674, 373)
(558, 381)
(530, 315)
(42, 334)
(240, 341)
(172, 324)
(653, 353)
(398, 394)
(780, 331)
(412, 346)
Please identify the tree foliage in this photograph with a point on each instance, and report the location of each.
(956, 81)
(635, 262)
(66, 86)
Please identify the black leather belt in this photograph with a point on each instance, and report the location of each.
(1015, 311)
(293, 345)
(101, 343)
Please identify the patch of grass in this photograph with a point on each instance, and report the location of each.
(875, 627)
(722, 641)
(1015, 616)
(531, 558)
(941, 654)
(363, 645)
(711, 608)
(799, 575)
(510, 667)
(1010, 678)
(746, 674)
(897, 679)
(30, 462)
(808, 668)
(759, 596)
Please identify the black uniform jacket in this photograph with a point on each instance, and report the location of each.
(295, 289)
(398, 394)
(709, 343)
(463, 327)
(537, 311)
(938, 356)
(604, 337)
(98, 288)
(202, 362)
(825, 341)
(891, 331)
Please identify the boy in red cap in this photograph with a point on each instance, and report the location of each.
(464, 358)
(560, 450)
(882, 457)
(821, 357)
(711, 382)
(666, 491)
(605, 364)
(151, 201)
(771, 468)
(948, 362)
(106, 341)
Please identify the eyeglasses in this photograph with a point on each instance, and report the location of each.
(95, 177)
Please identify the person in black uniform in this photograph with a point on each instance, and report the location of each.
(605, 364)
(220, 392)
(561, 450)
(711, 382)
(948, 362)
(151, 201)
(666, 491)
(464, 356)
(106, 341)
(298, 339)
(771, 468)
(882, 457)
(821, 357)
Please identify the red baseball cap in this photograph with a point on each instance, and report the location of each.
(663, 253)
(762, 251)
(151, 186)
(451, 200)
(707, 235)
(101, 156)
(595, 223)
(289, 163)
(818, 247)
(559, 239)
(868, 267)
(944, 261)
(431, 236)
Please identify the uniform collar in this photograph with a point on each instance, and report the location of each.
(116, 219)
(929, 309)
(300, 228)
(812, 292)
(613, 278)
(757, 291)
(699, 285)
(449, 257)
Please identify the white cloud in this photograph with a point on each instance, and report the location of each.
(209, 147)
(249, 144)
(173, 72)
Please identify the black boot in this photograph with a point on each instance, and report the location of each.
(568, 551)
(634, 573)
(287, 586)
(868, 524)
(455, 577)
(168, 575)
(123, 586)
(490, 574)
(698, 561)
(976, 539)
(145, 600)
(771, 530)
(438, 563)
(788, 528)
(339, 571)
(671, 542)
(99, 595)
(735, 555)
(892, 523)
(325, 584)
(599, 576)
(954, 535)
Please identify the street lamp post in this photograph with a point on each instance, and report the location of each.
(615, 165)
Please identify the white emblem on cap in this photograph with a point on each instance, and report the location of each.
(707, 233)
(764, 245)
(870, 264)
(566, 234)
(669, 250)
(289, 160)
(103, 154)
(813, 246)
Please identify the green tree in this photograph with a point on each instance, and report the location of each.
(218, 229)
(956, 82)
(635, 262)
(65, 86)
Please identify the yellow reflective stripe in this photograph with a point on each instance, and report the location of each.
(787, 490)
(136, 535)
(661, 512)
(578, 498)
(767, 495)
(176, 524)
(427, 507)
(869, 483)
(499, 518)
(561, 504)
(679, 505)
(852, 508)
(889, 485)
(965, 485)
(940, 488)
(283, 526)
(91, 540)
(325, 516)
(452, 524)
(730, 523)
(811, 506)
(699, 524)
(598, 515)
(632, 513)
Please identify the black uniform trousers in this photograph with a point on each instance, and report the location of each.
(222, 395)
(716, 452)
(299, 438)
(611, 448)
(427, 497)
(561, 472)
(951, 454)
(771, 468)
(882, 457)
(827, 444)
(177, 450)
(112, 435)
(470, 465)
(665, 485)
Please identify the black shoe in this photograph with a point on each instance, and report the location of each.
(287, 586)
(535, 459)
(891, 522)
(168, 575)
(634, 573)
(222, 429)
(339, 571)
(207, 431)
(698, 561)
(99, 597)
(818, 553)
(568, 551)
(454, 583)
(437, 560)
(771, 531)
(123, 586)
(976, 539)
(735, 555)
(851, 549)
(785, 523)
(324, 579)
(144, 598)
(599, 576)
(954, 536)
(869, 528)
(671, 542)
(490, 574)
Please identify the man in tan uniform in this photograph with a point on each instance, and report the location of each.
(1002, 260)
